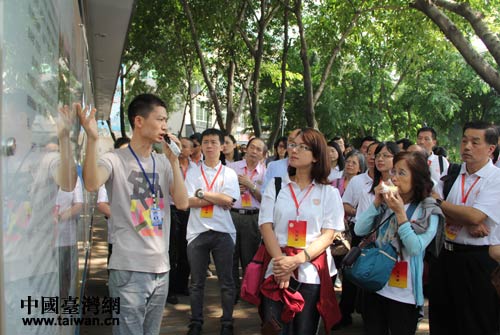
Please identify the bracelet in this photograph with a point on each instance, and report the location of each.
(308, 257)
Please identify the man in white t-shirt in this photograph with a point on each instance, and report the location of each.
(426, 138)
(212, 190)
(462, 298)
(138, 182)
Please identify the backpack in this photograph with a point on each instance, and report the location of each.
(449, 179)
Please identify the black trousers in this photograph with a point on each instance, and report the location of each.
(383, 316)
(462, 299)
(179, 265)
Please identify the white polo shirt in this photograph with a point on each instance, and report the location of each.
(357, 194)
(321, 208)
(484, 196)
(256, 176)
(433, 162)
(226, 183)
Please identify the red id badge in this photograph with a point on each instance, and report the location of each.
(246, 200)
(297, 233)
(399, 275)
(207, 212)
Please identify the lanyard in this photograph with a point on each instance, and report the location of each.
(209, 188)
(464, 197)
(184, 172)
(151, 184)
(254, 172)
(297, 203)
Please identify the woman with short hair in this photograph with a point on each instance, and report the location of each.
(395, 308)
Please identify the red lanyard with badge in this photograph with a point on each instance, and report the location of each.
(208, 211)
(297, 229)
(155, 212)
(246, 198)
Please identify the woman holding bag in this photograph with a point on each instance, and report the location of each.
(395, 308)
(297, 227)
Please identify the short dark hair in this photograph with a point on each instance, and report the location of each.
(340, 160)
(259, 139)
(321, 168)
(195, 137)
(490, 131)
(406, 143)
(426, 128)
(143, 105)
(213, 131)
(121, 141)
(368, 138)
(421, 181)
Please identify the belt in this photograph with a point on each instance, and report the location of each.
(244, 211)
(455, 247)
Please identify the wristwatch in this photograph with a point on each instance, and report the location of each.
(199, 193)
(439, 202)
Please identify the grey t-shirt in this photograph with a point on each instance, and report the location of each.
(137, 244)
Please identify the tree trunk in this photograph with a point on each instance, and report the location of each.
(471, 56)
(229, 96)
(308, 89)
(281, 104)
(211, 88)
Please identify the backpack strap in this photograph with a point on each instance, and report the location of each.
(277, 186)
(440, 164)
(449, 179)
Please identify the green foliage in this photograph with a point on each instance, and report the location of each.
(395, 72)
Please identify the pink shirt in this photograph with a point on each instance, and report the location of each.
(257, 177)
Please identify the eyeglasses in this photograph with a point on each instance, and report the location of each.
(384, 156)
(299, 147)
(400, 173)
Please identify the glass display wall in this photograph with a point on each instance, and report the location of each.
(45, 216)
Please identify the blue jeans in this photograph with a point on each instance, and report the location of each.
(142, 299)
(305, 322)
(221, 246)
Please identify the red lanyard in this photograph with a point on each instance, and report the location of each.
(209, 188)
(184, 171)
(464, 197)
(254, 172)
(297, 204)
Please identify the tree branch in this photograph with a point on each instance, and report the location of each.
(472, 57)
(475, 18)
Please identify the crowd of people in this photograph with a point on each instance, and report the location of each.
(171, 215)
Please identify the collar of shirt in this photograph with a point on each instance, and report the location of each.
(484, 172)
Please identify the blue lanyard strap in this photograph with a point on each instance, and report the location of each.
(151, 185)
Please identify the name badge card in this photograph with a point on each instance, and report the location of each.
(451, 231)
(399, 275)
(156, 216)
(207, 212)
(246, 200)
(297, 230)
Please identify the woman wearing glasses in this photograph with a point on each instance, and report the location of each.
(297, 226)
(412, 221)
(384, 155)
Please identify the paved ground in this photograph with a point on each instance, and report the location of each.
(176, 317)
